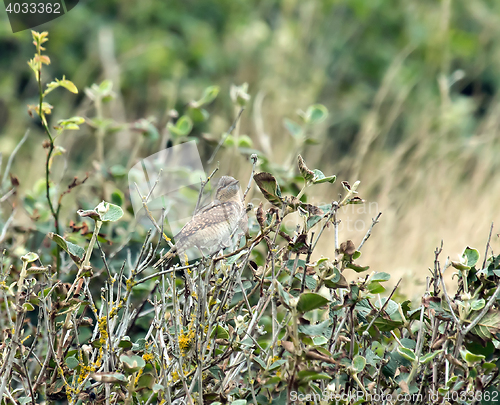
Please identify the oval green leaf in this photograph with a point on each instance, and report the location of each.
(309, 301)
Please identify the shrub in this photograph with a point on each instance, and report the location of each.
(263, 323)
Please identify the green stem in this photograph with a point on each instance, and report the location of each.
(86, 261)
(54, 212)
(301, 193)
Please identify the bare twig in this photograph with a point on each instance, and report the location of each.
(487, 246)
(6, 225)
(369, 232)
(150, 216)
(448, 300)
(383, 306)
(253, 158)
(12, 155)
(221, 142)
(485, 310)
(203, 184)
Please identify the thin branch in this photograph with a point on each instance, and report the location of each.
(12, 155)
(253, 158)
(203, 184)
(150, 216)
(383, 306)
(6, 226)
(7, 194)
(369, 232)
(170, 270)
(486, 308)
(487, 246)
(448, 300)
(221, 142)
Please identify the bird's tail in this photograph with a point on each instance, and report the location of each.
(166, 259)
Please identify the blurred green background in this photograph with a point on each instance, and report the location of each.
(410, 86)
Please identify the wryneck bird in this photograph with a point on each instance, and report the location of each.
(213, 225)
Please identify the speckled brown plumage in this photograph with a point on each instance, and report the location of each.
(211, 227)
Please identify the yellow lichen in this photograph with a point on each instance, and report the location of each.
(103, 329)
(148, 357)
(186, 340)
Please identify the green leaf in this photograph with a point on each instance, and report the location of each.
(284, 294)
(269, 187)
(239, 402)
(125, 342)
(380, 276)
(295, 129)
(488, 326)
(228, 140)
(476, 305)
(139, 345)
(356, 268)
(27, 307)
(320, 329)
(145, 381)
(198, 114)
(358, 363)
(375, 287)
(408, 354)
(470, 256)
(260, 363)
(105, 87)
(323, 179)
(72, 362)
(234, 258)
(132, 363)
(157, 388)
(244, 141)
(309, 301)
(74, 251)
(209, 95)
(319, 177)
(310, 281)
(68, 85)
(219, 332)
(336, 280)
(459, 266)
(316, 113)
(29, 257)
(72, 123)
(117, 197)
(310, 375)
(182, 127)
(320, 340)
(470, 357)
(426, 358)
(109, 212)
(489, 366)
(277, 364)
